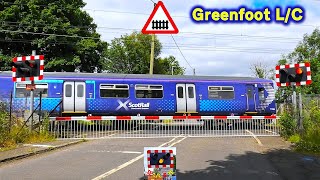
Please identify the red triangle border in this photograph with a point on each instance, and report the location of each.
(175, 29)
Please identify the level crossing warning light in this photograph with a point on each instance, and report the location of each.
(27, 68)
(293, 74)
(160, 21)
(160, 163)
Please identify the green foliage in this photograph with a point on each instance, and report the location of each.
(4, 126)
(130, 54)
(294, 138)
(67, 36)
(59, 29)
(262, 70)
(308, 139)
(14, 133)
(308, 50)
(85, 123)
(165, 65)
(288, 125)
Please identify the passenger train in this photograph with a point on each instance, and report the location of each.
(140, 94)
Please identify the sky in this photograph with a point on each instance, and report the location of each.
(211, 48)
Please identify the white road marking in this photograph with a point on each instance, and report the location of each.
(124, 152)
(134, 131)
(108, 136)
(135, 159)
(129, 152)
(177, 142)
(255, 137)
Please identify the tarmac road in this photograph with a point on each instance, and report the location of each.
(197, 158)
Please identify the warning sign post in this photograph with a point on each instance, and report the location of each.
(160, 21)
(160, 163)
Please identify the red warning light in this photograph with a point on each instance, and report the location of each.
(299, 71)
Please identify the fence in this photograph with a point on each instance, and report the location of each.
(99, 127)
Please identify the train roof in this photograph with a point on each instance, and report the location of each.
(141, 76)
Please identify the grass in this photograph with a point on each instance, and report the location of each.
(11, 136)
(2, 149)
(294, 138)
(306, 140)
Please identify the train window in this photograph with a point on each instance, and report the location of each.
(250, 92)
(121, 86)
(190, 92)
(227, 88)
(80, 90)
(68, 90)
(224, 92)
(156, 87)
(114, 90)
(21, 91)
(106, 86)
(213, 88)
(141, 86)
(261, 94)
(180, 92)
(149, 91)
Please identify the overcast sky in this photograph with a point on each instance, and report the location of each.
(212, 49)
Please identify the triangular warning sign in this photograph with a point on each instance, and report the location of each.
(160, 21)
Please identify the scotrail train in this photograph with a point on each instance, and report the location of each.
(127, 94)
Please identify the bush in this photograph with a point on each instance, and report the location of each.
(307, 139)
(294, 138)
(4, 128)
(14, 133)
(288, 125)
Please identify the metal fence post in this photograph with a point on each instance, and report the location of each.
(294, 100)
(10, 112)
(300, 113)
(40, 109)
(32, 97)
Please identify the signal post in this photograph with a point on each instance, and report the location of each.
(294, 75)
(28, 68)
(159, 22)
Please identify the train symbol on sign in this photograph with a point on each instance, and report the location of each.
(160, 22)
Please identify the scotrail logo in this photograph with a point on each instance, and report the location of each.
(126, 105)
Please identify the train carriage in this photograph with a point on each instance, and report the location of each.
(137, 94)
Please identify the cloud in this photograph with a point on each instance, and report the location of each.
(272, 3)
(212, 49)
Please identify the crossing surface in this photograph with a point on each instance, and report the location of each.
(204, 158)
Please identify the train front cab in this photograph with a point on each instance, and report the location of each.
(260, 99)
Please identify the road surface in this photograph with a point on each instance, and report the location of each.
(197, 158)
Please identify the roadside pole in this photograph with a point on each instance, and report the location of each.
(294, 100)
(32, 97)
(300, 113)
(152, 54)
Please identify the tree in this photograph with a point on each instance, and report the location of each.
(130, 54)
(308, 50)
(59, 29)
(167, 65)
(262, 70)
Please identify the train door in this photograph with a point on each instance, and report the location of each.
(251, 98)
(186, 98)
(74, 96)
